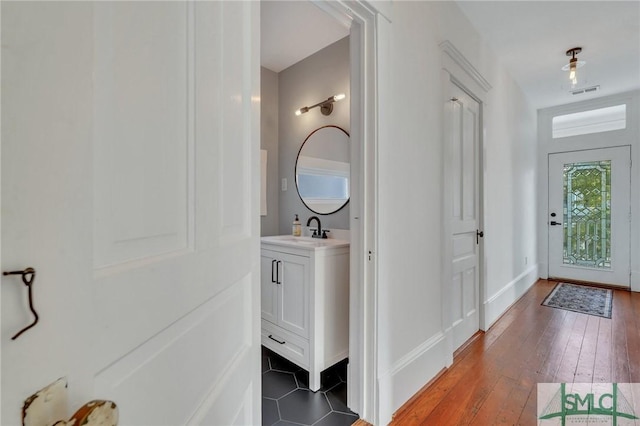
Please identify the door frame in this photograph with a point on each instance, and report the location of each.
(458, 70)
(362, 19)
(547, 145)
(453, 89)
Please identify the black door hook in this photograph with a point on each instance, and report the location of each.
(28, 276)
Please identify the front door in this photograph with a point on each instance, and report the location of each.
(589, 216)
(129, 145)
(464, 153)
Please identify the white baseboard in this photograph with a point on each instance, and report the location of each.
(498, 303)
(543, 270)
(635, 281)
(409, 374)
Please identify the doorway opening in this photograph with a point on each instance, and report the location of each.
(315, 82)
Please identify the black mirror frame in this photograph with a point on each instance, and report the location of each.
(295, 171)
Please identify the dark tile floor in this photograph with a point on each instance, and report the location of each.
(287, 400)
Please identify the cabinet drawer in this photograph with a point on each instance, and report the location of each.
(293, 348)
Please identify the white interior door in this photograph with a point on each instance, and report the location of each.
(146, 254)
(464, 144)
(589, 215)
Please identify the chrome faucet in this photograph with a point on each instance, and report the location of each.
(318, 232)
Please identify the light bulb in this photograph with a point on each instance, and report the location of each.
(298, 112)
(339, 97)
(573, 64)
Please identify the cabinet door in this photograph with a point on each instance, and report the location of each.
(293, 276)
(268, 287)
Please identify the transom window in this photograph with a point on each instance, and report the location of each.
(592, 121)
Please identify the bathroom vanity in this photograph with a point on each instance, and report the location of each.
(305, 301)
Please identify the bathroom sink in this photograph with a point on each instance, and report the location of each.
(306, 242)
(302, 240)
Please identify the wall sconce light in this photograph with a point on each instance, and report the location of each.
(573, 65)
(326, 107)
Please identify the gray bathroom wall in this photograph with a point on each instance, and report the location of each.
(269, 141)
(316, 78)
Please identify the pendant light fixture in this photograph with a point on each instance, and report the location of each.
(573, 65)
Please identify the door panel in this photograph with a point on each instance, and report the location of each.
(589, 215)
(294, 293)
(463, 115)
(141, 146)
(146, 253)
(195, 343)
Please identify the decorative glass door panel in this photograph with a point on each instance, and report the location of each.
(587, 214)
(588, 222)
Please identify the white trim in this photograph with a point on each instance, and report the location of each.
(445, 229)
(448, 48)
(635, 280)
(410, 373)
(1, 191)
(457, 70)
(337, 12)
(362, 19)
(498, 304)
(414, 354)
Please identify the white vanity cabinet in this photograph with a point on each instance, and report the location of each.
(305, 301)
(285, 290)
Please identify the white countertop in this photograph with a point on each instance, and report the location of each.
(304, 242)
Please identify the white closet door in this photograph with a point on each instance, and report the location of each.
(463, 121)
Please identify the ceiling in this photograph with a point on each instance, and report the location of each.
(530, 38)
(292, 30)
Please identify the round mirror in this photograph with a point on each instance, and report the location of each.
(322, 170)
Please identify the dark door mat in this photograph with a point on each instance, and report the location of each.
(579, 298)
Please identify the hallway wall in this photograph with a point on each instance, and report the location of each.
(412, 339)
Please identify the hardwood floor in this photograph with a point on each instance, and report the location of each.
(493, 379)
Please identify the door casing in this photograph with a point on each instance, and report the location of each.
(462, 166)
(457, 70)
(362, 20)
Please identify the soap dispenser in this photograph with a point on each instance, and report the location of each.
(297, 228)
